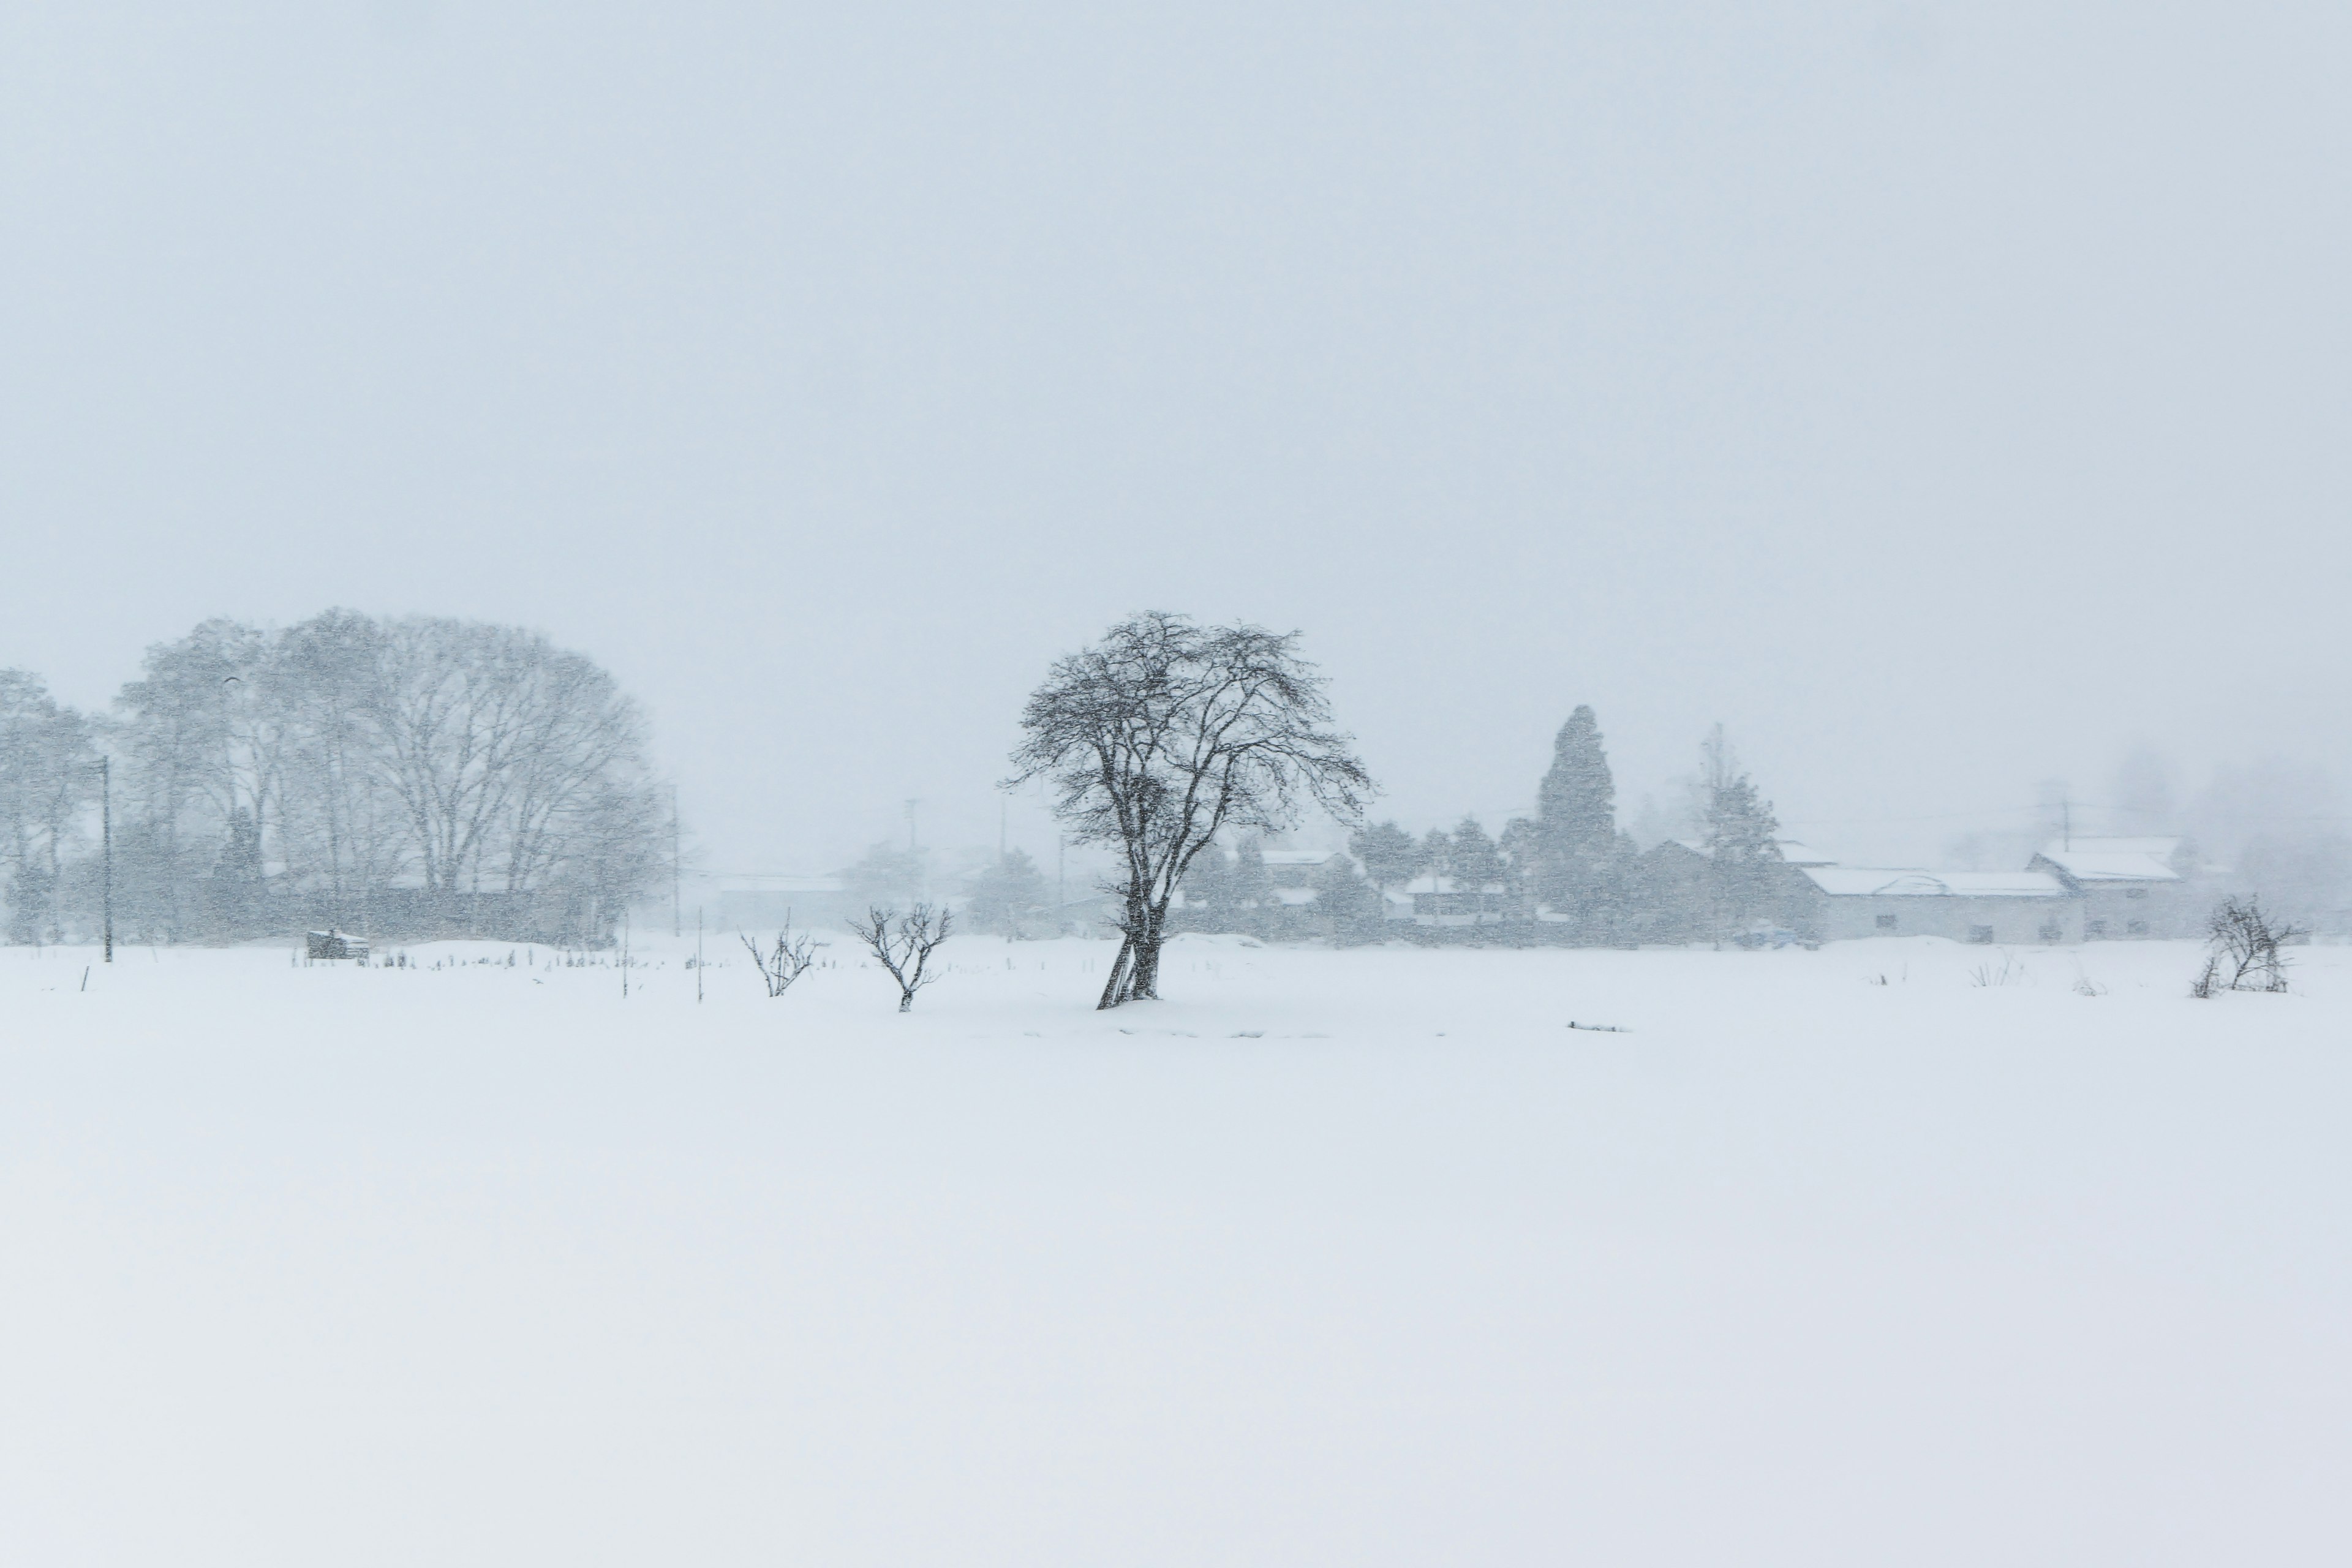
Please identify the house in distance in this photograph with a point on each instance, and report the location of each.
(1837, 903)
(2129, 888)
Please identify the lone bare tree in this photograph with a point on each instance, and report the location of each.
(786, 962)
(903, 944)
(1165, 733)
(2244, 944)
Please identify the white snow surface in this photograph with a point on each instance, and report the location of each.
(1330, 1257)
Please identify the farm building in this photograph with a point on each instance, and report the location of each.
(752, 903)
(2129, 888)
(1835, 903)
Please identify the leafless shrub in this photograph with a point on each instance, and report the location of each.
(2208, 981)
(903, 944)
(2244, 944)
(2009, 972)
(789, 960)
(2085, 986)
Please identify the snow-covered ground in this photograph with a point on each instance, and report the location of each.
(1332, 1257)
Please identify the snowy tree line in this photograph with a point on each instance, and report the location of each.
(416, 774)
(1568, 873)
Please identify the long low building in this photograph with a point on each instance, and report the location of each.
(759, 903)
(1835, 903)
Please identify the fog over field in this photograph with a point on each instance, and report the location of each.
(1946, 398)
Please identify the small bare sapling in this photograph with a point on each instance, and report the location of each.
(789, 960)
(2242, 945)
(2011, 973)
(904, 943)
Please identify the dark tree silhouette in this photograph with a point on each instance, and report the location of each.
(1165, 733)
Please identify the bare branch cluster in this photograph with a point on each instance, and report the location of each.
(2244, 949)
(903, 944)
(1166, 733)
(791, 957)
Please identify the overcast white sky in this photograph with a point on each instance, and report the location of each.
(1943, 397)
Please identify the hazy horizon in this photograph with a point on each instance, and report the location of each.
(1945, 399)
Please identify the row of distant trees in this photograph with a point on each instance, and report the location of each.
(1568, 872)
(1166, 739)
(416, 775)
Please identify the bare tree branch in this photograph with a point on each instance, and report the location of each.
(789, 960)
(903, 944)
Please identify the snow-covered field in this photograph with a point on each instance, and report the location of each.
(1332, 1257)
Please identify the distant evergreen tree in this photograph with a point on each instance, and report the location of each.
(1387, 852)
(1436, 855)
(1008, 896)
(1742, 843)
(1477, 865)
(1579, 864)
(237, 886)
(1347, 902)
(887, 875)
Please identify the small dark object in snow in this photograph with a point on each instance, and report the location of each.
(335, 944)
(1601, 1028)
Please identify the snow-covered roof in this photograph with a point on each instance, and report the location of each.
(1870, 881)
(2114, 859)
(1294, 898)
(1297, 857)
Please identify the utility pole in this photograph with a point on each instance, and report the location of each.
(677, 909)
(106, 837)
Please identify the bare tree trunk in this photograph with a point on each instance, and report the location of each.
(1115, 988)
(1145, 986)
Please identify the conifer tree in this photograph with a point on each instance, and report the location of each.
(1579, 860)
(1008, 896)
(1436, 857)
(1346, 901)
(1476, 865)
(1387, 854)
(1742, 843)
